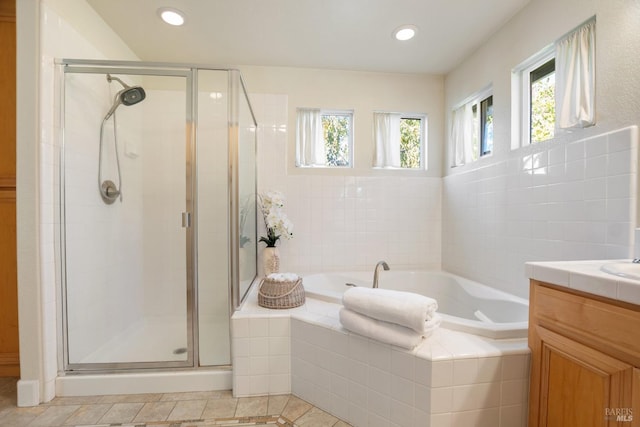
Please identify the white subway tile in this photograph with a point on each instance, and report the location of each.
(441, 400)
(258, 327)
(476, 396)
(357, 394)
(515, 367)
(401, 414)
(279, 327)
(403, 364)
(358, 415)
(402, 390)
(379, 404)
(379, 381)
(477, 418)
(514, 392)
(465, 371)
(279, 384)
(620, 140)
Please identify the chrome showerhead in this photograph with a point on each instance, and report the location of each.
(130, 95)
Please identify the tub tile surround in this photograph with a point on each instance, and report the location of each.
(339, 214)
(551, 201)
(452, 379)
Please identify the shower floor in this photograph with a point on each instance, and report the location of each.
(164, 339)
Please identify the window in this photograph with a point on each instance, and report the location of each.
(472, 128)
(533, 104)
(336, 131)
(324, 138)
(554, 89)
(411, 142)
(482, 127)
(399, 140)
(542, 104)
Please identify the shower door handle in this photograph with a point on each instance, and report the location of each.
(186, 219)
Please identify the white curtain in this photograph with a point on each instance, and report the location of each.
(575, 78)
(309, 138)
(386, 133)
(462, 135)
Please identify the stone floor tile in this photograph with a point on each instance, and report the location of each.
(88, 414)
(195, 395)
(341, 424)
(76, 400)
(187, 410)
(121, 413)
(54, 416)
(316, 418)
(277, 404)
(154, 411)
(295, 408)
(131, 398)
(252, 406)
(220, 408)
(19, 417)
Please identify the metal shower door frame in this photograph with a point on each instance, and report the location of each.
(135, 68)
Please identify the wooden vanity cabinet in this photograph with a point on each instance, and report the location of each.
(585, 359)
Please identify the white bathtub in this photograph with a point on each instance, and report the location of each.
(465, 305)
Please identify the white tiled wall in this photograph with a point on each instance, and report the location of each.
(545, 202)
(261, 355)
(368, 383)
(343, 221)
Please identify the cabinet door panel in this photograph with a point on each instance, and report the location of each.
(582, 387)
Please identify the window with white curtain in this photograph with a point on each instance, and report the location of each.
(399, 140)
(554, 89)
(324, 138)
(472, 128)
(575, 78)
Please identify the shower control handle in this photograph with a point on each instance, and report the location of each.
(109, 192)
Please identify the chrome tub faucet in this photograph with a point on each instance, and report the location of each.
(376, 272)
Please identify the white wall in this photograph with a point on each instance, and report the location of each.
(499, 212)
(351, 218)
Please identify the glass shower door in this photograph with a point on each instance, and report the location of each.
(128, 268)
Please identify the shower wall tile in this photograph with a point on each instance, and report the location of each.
(544, 202)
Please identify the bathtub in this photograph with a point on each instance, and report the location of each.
(465, 305)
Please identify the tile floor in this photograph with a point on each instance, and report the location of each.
(214, 408)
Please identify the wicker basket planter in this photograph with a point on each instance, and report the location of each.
(281, 294)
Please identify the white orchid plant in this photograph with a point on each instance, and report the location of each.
(275, 220)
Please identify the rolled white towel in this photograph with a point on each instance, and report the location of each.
(380, 330)
(432, 324)
(283, 277)
(403, 308)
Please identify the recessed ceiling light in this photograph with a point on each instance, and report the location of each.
(406, 32)
(171, 16)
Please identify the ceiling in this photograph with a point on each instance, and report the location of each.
(336, 34)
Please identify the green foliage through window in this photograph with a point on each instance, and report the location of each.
(410, 135)
(336, 132)
(543, 102)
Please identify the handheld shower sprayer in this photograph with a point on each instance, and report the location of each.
(129, 95)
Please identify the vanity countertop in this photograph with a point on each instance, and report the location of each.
(588, 276)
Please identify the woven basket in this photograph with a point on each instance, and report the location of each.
(281, 294)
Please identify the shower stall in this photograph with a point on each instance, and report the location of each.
(157, 234)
